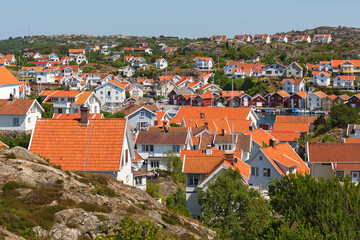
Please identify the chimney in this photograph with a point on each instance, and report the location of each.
(166, 128)
(250, 128)
(131, 103)
(84, 115)
(68, 88)
(206, 125)
(229, 156)
(202, 115)
(156, 122)
(223, 131)
(272, 142)
(11, 97)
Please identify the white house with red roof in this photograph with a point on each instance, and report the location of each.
(203, 63)
(202, 167)
(243, 38)
(321, 78)
(74, 52)
(293, 70)
(344, 81)
(204, 78)
(80, 58)
(70, 101)
(161, 63)
(44, 77)
(138, 62)
(279, 38)
(9, 84)
(291, 85)
(315, 100)
(274, 162)
(217, 38)
(242, 72)
(19, 114)
(261, 38)
(323, 38)
(111, 94)
(231, 65)
(25, 89)
(70, 70)
(74, 82)
(301, 39)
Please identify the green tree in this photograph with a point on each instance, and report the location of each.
(342, 114)
(231, 208)
(283, 57)
(127, 93)
(73, 62)
(129, 229)
(329, 208)
(49, 111)
(174, 165)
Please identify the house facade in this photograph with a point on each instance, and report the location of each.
(321, 78)
(315, 100)
(273, 70)
(294, 70)
(293, 85)
(9, 84)
(111, 94)
(161, 63)
(344, 81)
(203, 63)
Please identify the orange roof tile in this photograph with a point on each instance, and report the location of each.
(295, 119)
(76, 116)
(318, 72)
(352, 140)
(6, 77)
(336, 63)
(80, 148)
(283, 94)
(286, 136)
(16, 106)
(160, 115)
(82, 98)
(231, 93)
(137, 157)
(296, 81)
(285, 155)
(261, 137)
(347, 78)
(291, 127)
(302, 94)
(320, 94)
(195, 140)
(332, 96)
(203, 58)
(334, 152)
(119, 84)
(76, 50)
(344, 97)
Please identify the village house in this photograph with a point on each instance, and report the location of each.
(70, 101)
(328, 102)
(143, 50)
(344, 82)
(354, 101)
(323, 38)
(203, 63)
(345, 67)
(4, 62)
(301, 39)
(78, 145)
(74, 82)
(279, 38)
(278, 99)
(328, 160)
(287, 137)
(258, 101)
(70, 70)
(242, 72)
(136, 90)
(206, 99)
(138, 62)
(315, 100)
(161, 63)
(9, 84)
(325, 66)
(25, 89)
(321, 78)
(273, 70)
(204, 78)
(341, 99)
(164, 87)
(153, 146)
(140, 116)
(293, 85)
(10, 58)
(243, 38)
(297, 100)
(294, 70)
(127, 71)
(44, 77)
(53, 57)
(261, 38)
(218, 38)
(194, 86)
(30, 71)
(74, 52)
(202, 169)
(230, 65)
(111, 94)
(274, 162)
(210, 87)
(19, 114)
(169, 49)
(245, 100)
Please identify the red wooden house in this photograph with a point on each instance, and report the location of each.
(354, 101)
(297, 100)
(206, 100)
(175, 95)
(278, 99)
(188, 100)
(245, 100)
(258, 101)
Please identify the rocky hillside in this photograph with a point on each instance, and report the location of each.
(40, 201)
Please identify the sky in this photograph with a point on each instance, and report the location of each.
(182, 18)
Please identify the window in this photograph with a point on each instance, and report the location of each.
(154, 164)
(116, 98)
(255, 171)
(126, 156)
(147, 148)
(29, 119)
(266, 172)
(260, 158)
(193, 179)
(142, 114)
(116, 92)
(101, 92)
(15, 121)
(176, 148)
(339, 173)
(138, 180)
(108, 93)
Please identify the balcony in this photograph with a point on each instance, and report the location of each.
(61, 104)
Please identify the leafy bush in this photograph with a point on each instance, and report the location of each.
(93, 207)
(171, 218)
(174, 125)
(152, 189)
(22, 141)
(129, 229)
(174, 165)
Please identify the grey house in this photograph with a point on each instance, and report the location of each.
(293, 70)
(140, 116)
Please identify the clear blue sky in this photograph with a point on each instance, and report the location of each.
(182, 18)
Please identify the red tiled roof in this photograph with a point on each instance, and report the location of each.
(6, 77)
(81, 148)
(286, 136)
(195, 140)
(323, 72)
(336, 63)
(283, 94)
(296, 81)
(16, 106)
(320, 94)
(206, 59)
(344, 97)
(157, 137)
(347, 78)
(291, 127)
(160, 115)
(352, 140)
(119, 84)
(137, 157)
(332, 96)
(302, 94)
(334, 152)
(76, 50)
(206, 74)
(295, 119)
(76, 116)
(261, 137)
(82, 98)
(285, 155)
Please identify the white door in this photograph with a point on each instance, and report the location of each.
(245, 102)
(300, 103)
(355, 176)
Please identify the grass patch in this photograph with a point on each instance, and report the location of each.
(105, 191)
(71, 225)
(59, 181)
(93, 207)
(171, 218)
(102, 218)
(14, 185)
